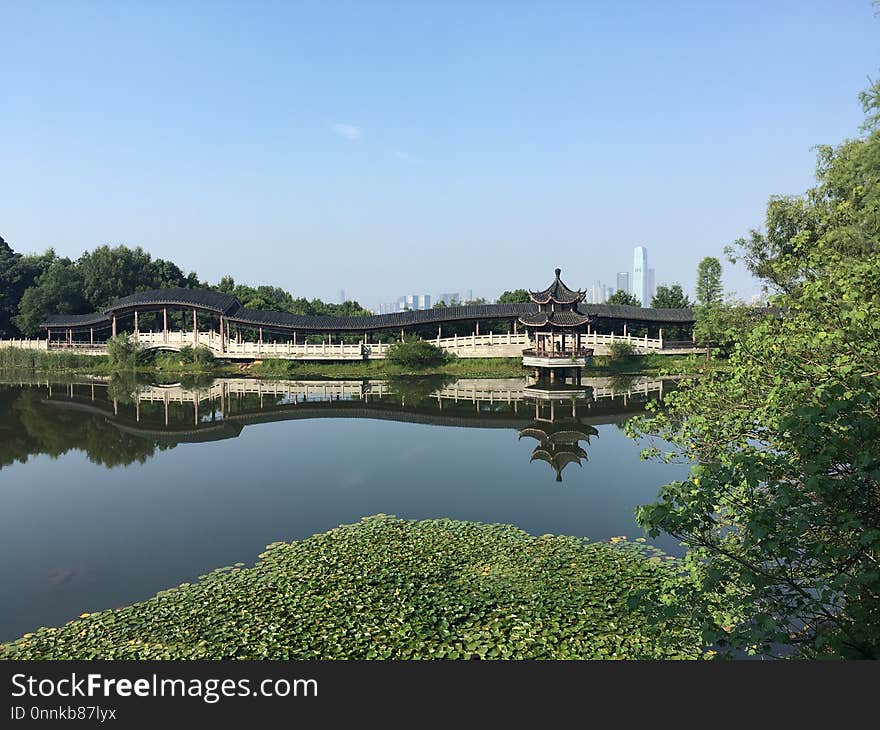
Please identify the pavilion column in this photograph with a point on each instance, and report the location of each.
(69, 336)
(222, 338)
(661, 341)
(114, 326)
(624, 329)
(91, 335)
(294, 338)
(164, 324)
(48, 334)
(478, 326)
(135, 325)
(514, 326)
(261, 338)
(195, 328)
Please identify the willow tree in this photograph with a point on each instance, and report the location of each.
(782, 511)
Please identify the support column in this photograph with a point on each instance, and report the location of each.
(222, 337)
(91, 335)
(165, 324)
(661, 338)
(514, 326)
(114, 326)
(48, 335)
(624, 329)
(136, 325)
(478, 327)
(195, 328)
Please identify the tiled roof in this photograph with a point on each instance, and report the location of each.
(556, 319)
(214, 301)
(219, 303)
(557, 292)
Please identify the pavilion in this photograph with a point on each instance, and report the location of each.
(557, 328)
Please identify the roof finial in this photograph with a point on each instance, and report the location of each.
(558, 272)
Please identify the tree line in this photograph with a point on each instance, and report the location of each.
(33, 286)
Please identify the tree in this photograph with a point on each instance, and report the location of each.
(110, 273)
(709, 291)
(517, 296)
(622, 297)
(782, 509)
(58, 290)
(670, 297)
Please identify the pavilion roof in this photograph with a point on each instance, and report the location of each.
(557, 292)
(561, 433)
(555, 319)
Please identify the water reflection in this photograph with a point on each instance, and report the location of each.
(121, 422)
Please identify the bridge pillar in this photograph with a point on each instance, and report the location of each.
(661, 338)
(195, 328)
(135, 325)
(114, 326)
(477, 331)
(624, 329)
(165, 324)
(91, 335)
(222, 336)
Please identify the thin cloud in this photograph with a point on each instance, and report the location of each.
(406, 157)
(348, 131)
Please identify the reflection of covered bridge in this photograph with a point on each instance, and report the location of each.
(219, 322)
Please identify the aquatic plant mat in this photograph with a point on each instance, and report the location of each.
(391, 588)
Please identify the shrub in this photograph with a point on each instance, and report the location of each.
(200, 355)
(122, 351)
(621, 350)
(416, 354)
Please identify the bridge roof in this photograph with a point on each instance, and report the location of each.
(213, 301)
(95, 319)
(227, 305)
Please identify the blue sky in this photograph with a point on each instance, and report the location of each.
(394, 147)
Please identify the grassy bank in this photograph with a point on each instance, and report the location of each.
(166, 364)
(389, 588)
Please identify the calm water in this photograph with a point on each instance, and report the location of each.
(107, 498)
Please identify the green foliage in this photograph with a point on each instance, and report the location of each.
(517, 296)
(709, 290)
(621, 351)
(13, 358)
(622, 297)
(277, 299)
(391, 589)
(110, 273)
(416, 354)
(57, 290)
(122, 351)
(782, 511)
(670, 297)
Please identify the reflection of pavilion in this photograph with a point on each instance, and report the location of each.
(559, 435)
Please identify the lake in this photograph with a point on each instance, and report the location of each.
(112, 491)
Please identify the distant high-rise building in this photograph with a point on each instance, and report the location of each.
(413, 301)
(640, 275)
(597, 294)
(623, 281)
(342, 296)
(652, 289)
(449, 298)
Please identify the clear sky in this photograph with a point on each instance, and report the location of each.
(414, 146)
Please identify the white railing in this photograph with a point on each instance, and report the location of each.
(507, 344)
(25, 344)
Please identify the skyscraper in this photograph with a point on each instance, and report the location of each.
(640, 275)
(623, 281)
(652, 289)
